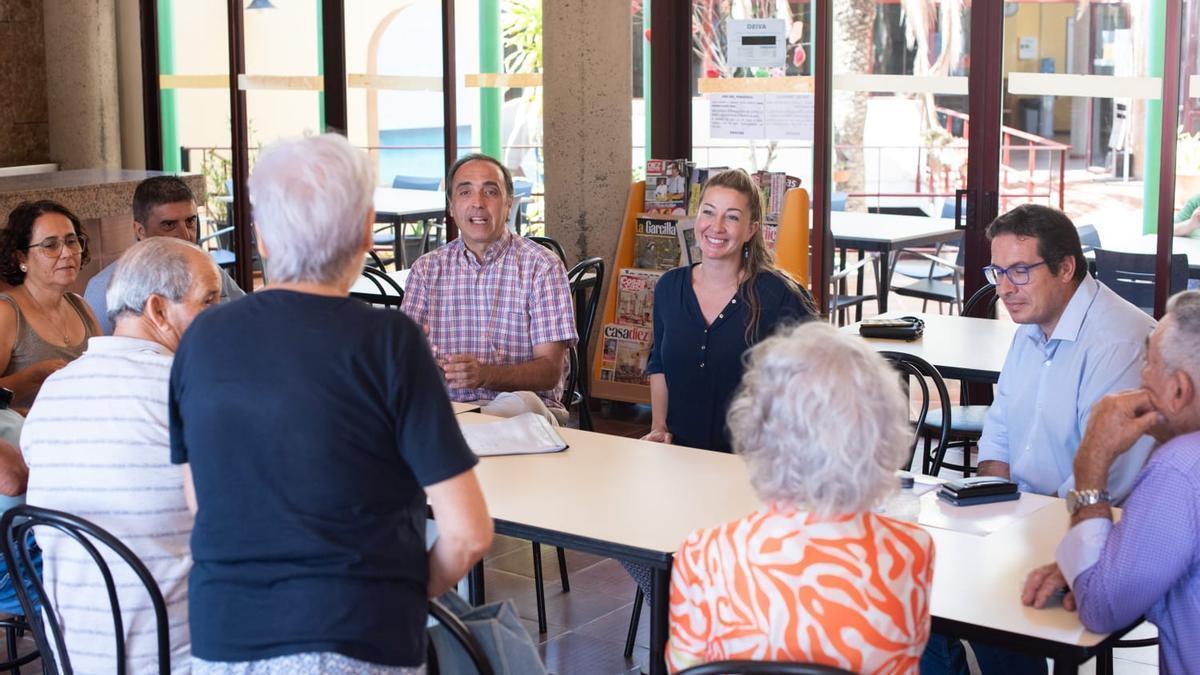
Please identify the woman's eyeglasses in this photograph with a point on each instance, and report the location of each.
(52, 247)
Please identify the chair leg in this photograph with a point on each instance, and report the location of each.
(925, 462)
(538, 588)
(1104, 662)
(10, 642)
(562, 569)
(633, 622)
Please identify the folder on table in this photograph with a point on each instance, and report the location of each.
(525, 434)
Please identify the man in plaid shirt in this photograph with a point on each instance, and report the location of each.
(496, 307)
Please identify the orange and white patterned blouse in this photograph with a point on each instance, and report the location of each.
(787, 585)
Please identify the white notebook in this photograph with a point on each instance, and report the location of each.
(525, 434)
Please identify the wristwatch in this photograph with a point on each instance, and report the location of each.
(1077, 499)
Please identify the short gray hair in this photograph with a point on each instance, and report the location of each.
(821, 421)
(153, 266)
(1180, 341)
(311, 197)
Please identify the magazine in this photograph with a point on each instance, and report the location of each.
(666, 186)
(656, 243)
(774, 186)
(688, 246)
(635, 297)
(626, 351)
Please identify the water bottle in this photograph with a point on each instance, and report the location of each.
(905, 505)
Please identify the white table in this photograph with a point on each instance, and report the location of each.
(886, 234)
(638, 501)
(961, 348)
(396, 205)
(460, 408)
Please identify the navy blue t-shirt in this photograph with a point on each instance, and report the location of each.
(311, 424)
(703, 363)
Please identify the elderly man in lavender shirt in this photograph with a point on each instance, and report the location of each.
(1149, 563)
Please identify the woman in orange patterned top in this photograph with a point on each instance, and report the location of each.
(816, 575)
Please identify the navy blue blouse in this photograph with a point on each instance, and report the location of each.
(702, 363)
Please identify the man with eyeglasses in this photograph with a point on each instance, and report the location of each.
(163, 206)
(1078, 342)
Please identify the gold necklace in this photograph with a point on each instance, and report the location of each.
(66, 338)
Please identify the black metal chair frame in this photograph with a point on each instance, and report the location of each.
(762, 668)
(550, 244)
(981, 305)
(914, 367)
(13, 627)
(390, 294)
(462, 634)
(17, 523)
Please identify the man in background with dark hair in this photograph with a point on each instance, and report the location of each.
(163, 206)
(1079, 341)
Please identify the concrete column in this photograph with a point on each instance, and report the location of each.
(81, 83)
(587, 123)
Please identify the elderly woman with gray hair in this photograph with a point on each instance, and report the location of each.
(317, 429)
(96, 443)
(815, 575)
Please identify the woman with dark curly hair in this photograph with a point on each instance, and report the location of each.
(42, 326)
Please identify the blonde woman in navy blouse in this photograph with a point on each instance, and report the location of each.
(707, 315)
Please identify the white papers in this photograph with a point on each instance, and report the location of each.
(773, 116)
(525, 434)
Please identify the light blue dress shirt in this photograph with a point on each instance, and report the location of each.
(1047, 389)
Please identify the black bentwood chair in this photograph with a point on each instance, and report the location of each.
(918, 369)
(762, 668)
(16, 525)
(966, 427)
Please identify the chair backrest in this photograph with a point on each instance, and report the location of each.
(586, 279)
(1131, 275)
(915, 367)
(552, 245)
(462, 635)
(390, 294)
(16, 525)
(762, 668)
(1088, 237)
(417, 182)
(982, 304)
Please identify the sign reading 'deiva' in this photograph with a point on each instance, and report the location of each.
(756, 43)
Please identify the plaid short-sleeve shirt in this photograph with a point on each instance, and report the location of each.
(496, 309)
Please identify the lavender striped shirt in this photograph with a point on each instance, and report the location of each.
(1149, 563)
(496, 310)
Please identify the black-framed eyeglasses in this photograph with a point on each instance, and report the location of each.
(52, 247)
(1018, 275)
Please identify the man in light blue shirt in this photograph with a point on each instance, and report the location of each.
(163, 206)
(1078, 342)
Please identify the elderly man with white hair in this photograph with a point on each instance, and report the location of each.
(821, 457)
(1149, 563)
(317, 429)
(97, 445)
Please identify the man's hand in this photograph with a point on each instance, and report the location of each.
(1044, 584)
(464, 371)
(1116, 422)
(658, 436)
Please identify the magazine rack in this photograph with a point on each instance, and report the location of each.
(791, 255)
